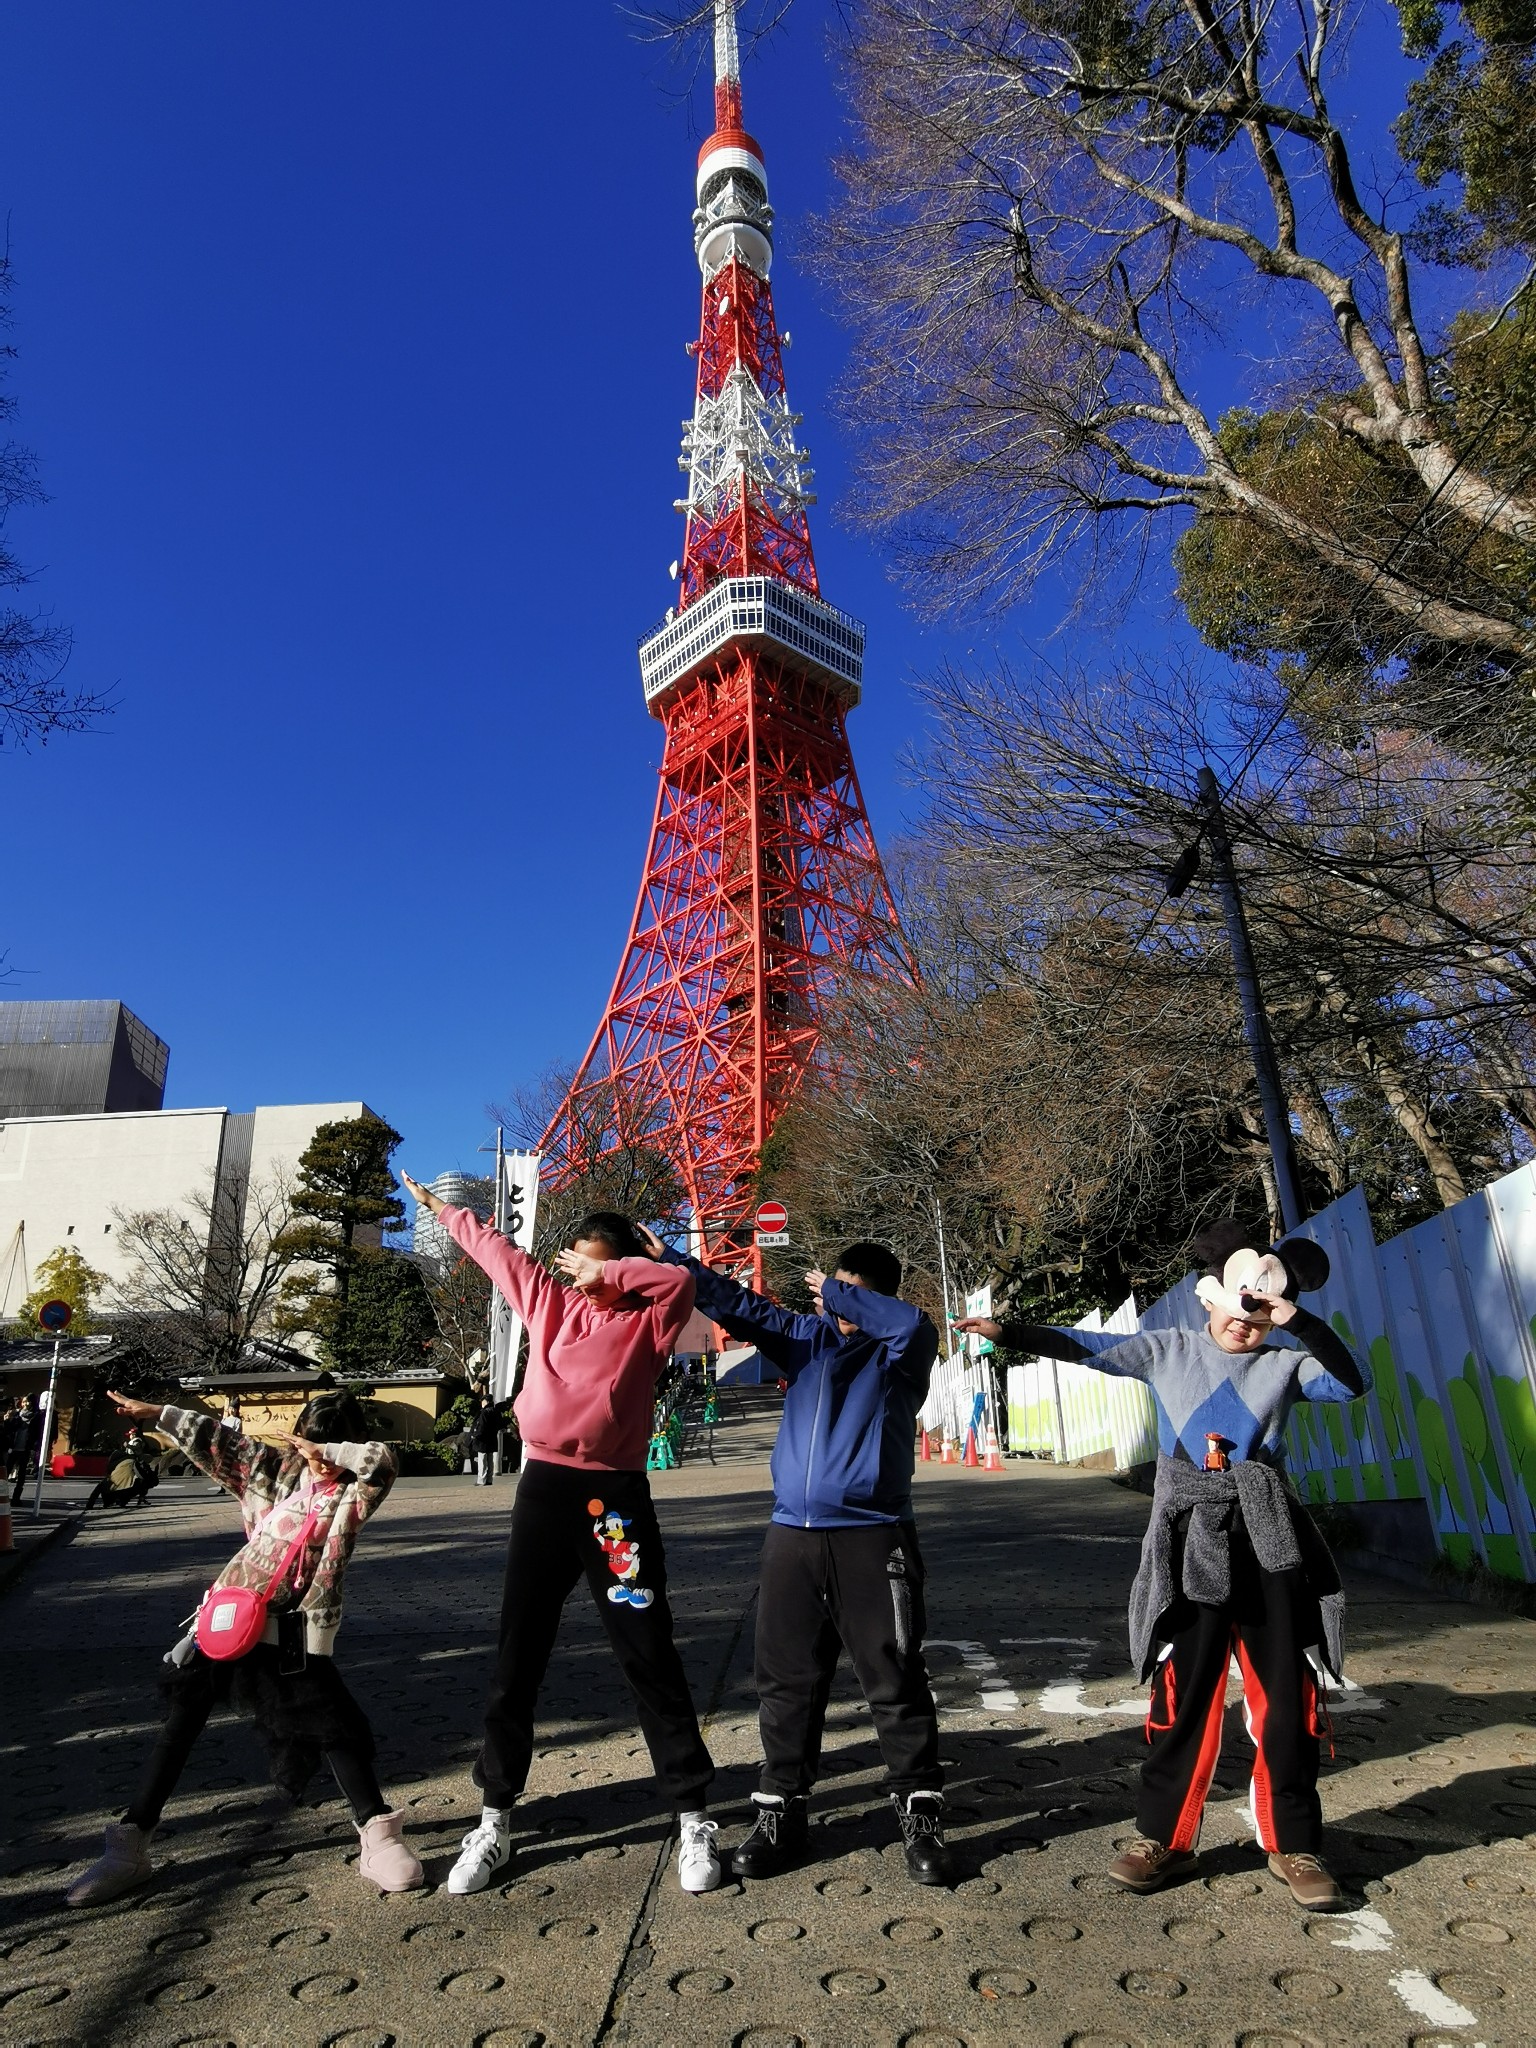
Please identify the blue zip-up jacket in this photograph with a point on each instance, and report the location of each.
(844, 1452)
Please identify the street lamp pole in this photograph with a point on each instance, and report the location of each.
(1277, 1119)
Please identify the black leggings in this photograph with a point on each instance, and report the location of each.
(351, 1762)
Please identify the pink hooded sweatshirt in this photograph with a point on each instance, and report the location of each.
(590, 1390)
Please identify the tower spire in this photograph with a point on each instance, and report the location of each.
(727, 67)
(749, 482)
(762, 882)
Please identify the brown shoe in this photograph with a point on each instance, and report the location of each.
(1147, 1866)
(1311, 1885)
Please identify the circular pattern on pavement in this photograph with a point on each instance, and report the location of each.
(701, 1983)
(852, 1984)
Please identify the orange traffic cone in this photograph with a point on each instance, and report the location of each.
(994, 1457)
(947, 1455)
(970, 1457)
(924, 1448)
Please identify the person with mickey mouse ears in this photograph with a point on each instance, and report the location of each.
(1232, 1563)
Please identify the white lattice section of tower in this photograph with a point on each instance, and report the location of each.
(727, 56)
(743, 432)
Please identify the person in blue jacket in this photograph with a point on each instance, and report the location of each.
(840, 1568)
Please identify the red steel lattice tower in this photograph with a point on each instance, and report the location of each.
(762, 881)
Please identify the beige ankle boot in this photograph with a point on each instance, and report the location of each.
(385, 1860)
(123, 1863)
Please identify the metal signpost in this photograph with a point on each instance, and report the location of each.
(54, 1316)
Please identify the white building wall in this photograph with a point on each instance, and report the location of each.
(62, 1177)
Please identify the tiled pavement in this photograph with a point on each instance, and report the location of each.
(257, 1930)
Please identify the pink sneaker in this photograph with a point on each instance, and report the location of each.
(385, 1860)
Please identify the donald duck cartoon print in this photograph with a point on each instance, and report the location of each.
(623, 1555)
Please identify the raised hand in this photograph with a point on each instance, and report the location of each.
(815, 1279)
(650, 1240)
(584, 1273)
(136, 1411)
(424, 1196)
(313, 1455)
(979, 1326)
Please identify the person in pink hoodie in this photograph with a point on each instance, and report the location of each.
(598, 1341)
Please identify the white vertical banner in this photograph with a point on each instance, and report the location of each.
(517, 1204)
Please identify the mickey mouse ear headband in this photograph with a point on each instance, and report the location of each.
(1233, 1270)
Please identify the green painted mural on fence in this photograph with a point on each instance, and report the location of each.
(1333, 1446)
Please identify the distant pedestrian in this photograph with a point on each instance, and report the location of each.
(583, 1509)
(1232, 1566)
(128, 1481)
(12, 1430)
(316, 1492)
(841, 1568)
(29, 1444)
(484, 1436)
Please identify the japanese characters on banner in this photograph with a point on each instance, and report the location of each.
(517, 1203)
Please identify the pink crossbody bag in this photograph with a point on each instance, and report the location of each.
(232, 1619)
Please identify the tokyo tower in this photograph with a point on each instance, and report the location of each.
(762, 882)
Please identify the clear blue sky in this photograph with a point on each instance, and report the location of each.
(352, 346)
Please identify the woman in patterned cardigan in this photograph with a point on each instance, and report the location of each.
(287, 1684)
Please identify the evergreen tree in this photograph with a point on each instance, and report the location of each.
(389, 1325)
(345, 1198)
(62, 1276)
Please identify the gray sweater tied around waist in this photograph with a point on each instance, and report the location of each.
(1256, 1495)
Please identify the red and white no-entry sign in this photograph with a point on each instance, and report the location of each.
(772, 1216)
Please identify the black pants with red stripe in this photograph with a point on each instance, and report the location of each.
(1268, 1624)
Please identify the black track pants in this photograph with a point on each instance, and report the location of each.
(552, 1544)
(858, 1589)
(351, 1762)
(1267, 1625)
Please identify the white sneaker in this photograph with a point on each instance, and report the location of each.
(486, 1849)
(698, 1859)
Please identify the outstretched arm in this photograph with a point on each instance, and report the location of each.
(523, 1282)
(785, 1339)
(1126, 1356)
(226, 1455)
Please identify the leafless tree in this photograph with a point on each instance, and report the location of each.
(616, 1161)
(1050, 218)
(34, 649)
(205, 1275)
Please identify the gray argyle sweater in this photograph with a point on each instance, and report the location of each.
(1243, 1400)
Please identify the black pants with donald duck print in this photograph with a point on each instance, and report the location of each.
(568, 1522)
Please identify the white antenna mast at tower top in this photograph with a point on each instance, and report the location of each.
(727, 57)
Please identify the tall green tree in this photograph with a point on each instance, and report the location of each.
(390, 1326)
(344, 1199)
(1471, 122)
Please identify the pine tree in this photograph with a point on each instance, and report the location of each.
(345, 1197)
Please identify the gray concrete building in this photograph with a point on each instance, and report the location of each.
(78, 1058)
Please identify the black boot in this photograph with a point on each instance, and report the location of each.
(777, 1842)
(922, 1834)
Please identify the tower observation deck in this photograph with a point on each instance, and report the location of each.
(762, 883)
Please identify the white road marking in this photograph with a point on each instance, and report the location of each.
(1066, 1697)
(1421, 1995)
(1369, 1933)
(995, 1697)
